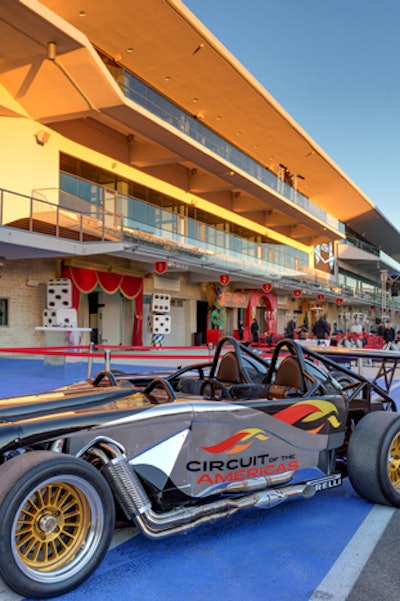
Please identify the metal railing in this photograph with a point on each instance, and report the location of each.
(148, 98)
(78, 219)
(62, 216)
(151, 223)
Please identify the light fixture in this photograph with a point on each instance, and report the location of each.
(199, 47)
(51, 51)
(42, 137)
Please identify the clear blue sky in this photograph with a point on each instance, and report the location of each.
(334, 66)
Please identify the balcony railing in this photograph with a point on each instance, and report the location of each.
(148, 98)
(63, 217)
(150, 223)
(78, 219)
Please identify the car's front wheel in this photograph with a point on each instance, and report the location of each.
(57, 517)
(374, 458)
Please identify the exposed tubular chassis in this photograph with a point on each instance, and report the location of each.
(355, 385)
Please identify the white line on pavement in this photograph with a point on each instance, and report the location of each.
(342, 576)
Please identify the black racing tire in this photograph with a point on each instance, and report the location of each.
(57, 518)
(342, 378)
(347, 383)
(373, 463)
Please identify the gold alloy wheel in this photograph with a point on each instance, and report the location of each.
(394, 462)
(57, 526)
(52, 526)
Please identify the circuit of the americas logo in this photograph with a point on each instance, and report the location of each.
(312, 416)
(238, 442)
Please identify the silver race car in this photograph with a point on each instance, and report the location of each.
(180, 450)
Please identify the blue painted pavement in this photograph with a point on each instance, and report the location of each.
(280, 554)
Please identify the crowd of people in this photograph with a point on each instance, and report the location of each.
(321, 330)
(386, 334)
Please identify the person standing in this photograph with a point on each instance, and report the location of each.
(389, 337)
(290, 328)
(321, 330)
(381, 329)
(254, 330)
(240, 329)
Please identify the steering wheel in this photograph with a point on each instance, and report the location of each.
(177, 377)
(217, 390)
(167, 392)
(349, 385)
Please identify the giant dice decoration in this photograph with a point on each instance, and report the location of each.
(159, 324)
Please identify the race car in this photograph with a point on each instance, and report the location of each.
(179, 451)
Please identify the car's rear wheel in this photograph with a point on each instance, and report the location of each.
(57, 517)
(374, 458)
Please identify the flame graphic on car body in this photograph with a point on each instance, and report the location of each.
(238, 442)
(304, 413)
(307, 412)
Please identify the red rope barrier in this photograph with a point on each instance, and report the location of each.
(50, 351)
(39, 349)
(78, 351)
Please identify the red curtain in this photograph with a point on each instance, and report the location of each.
(86, 280)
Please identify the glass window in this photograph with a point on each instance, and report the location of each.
(3, 311)
(152, 211)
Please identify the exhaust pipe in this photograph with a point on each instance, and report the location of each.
(259, 483)
(155, 525)
(137, 506)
